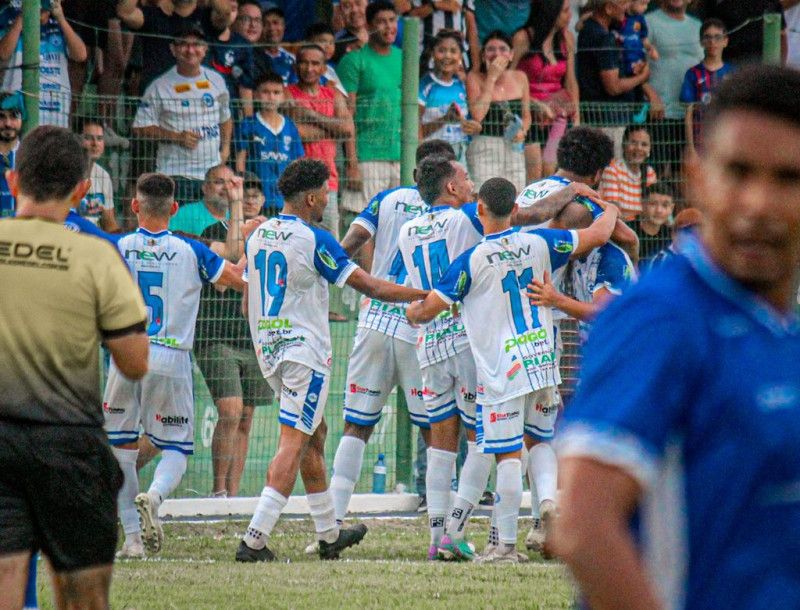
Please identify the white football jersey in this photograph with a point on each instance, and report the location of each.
(383, 217)
(178, 103)
(170, 271)
(512, 341)
(428, 245)
(289, 265)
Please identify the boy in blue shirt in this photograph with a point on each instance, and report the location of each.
(268, 141)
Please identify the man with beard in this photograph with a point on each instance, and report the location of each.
(10, 127)
(194, 217)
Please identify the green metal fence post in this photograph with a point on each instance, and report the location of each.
(410, 127)
(772, 38)
(31, 30)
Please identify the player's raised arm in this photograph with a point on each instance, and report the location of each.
(548, 207)
(385, 291)
(598, 233)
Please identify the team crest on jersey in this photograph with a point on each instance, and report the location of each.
(326, 258)
(461, 283)
(373, 206)
(287, 141)
(208, 99)
(563, 247)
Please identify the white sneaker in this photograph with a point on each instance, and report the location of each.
(502, 553)
(536, 537)
(131, 550)
(152, 534)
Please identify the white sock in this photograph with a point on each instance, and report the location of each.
(168, 475)
(471, 485)
(346, 470)
(320, 506)
(437, 484)
(543, 469)
(130, 489)
(269, 508)
(508, 499)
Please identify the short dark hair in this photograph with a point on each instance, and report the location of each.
(378, 7)
(498, 195)
(274, 10)
(448, 35)
(310, 46)
(435, 147)
(659, 188)
(50, 163)
(268, 77)
(633, 128)
(494, 35)
(584, 151)
(762, 88)
(301, 176)
(315, 29)
(432, 175)
(713, 22)
(155, 193)
(84, 122)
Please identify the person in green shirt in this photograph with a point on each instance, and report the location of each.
(193, 218)
(372, 77)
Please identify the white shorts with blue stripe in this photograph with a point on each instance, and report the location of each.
(448, 387)
(303, 393)
(161, 403)
(500, 427)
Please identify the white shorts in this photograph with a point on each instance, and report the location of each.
(303, 393)
(501, 426)
(161, 403)
(449, 387)
(376, 176)
(378, 364)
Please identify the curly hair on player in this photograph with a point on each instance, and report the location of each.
(302, 176)
(432, 176)
(585, 151)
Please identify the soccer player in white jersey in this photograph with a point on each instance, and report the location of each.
(383, 353)
(512, 342)
(289, 264)
(170, 272)
(428, 245)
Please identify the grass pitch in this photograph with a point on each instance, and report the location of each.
(195, 569)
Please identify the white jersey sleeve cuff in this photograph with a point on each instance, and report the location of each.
(219, 272)
(345, 274)
(611, 447)
(361, 222)
(444, 297)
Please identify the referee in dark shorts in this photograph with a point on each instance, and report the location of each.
(62, 294)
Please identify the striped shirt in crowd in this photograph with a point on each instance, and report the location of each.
(622, 186)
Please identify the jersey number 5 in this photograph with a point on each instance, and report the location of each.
(147, 281)
(273, 274)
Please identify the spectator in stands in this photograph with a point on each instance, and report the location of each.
(443, 97)
(281, 60)
(791, 11)
(674, 33)
(482, 17)
(231, 55)
(355, 34)
(685, 222)
(499, 98)
(322, 119)
(601, 65)
(545, 51)
(58, 43)
(10, 128)
(321, 34)
(98, 204)
(224, 351)
(249, 25)
(372, 77)
(652, 226)
(268, 141)
(744, 20)
(625, 180)
(215, 205)
(701, 80)
(186, 111)
(438, 16)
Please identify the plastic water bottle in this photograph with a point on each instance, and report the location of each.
(512, 129)
(379, 475)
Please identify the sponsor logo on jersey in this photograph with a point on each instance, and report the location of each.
(408, 208)
(508, 255)
(357, 389)
(274, 323)
(416, 392)
(530, 337)
(549, 410)
(470, 396)
(42, 256)
(172, 420)
(326, 258)
(207, 99)
(288, 391)
(272, 234)
(564, 247)
(461, 283)
(144, 255)
(183, 88)
(168, 341)
(480, 389)
(203, 84)
(496, 417)
(373, 207)
(514, 370)
(109, 409)
(427, 230)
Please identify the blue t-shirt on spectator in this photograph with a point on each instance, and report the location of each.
(233, 59)
(632, 35)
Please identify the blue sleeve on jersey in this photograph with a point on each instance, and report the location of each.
(471, 210)
(613, 272)
(330, 260)
(561, 244)
(209, 264)
(688, 92)
(370, 213)
(595, 209)
(456, 282)
(76, 222)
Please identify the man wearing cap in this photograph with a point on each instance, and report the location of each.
(10, 127)
(186, 111)
(224, 353)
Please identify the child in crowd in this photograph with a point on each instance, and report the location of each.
(443, 96)
(701, 80)
(268, 141)
(321, 34)
(633, 35)
(653, 225)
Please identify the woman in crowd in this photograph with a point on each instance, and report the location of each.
(545, 51)
(624, 181)
(499, 99)
(443, 96)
